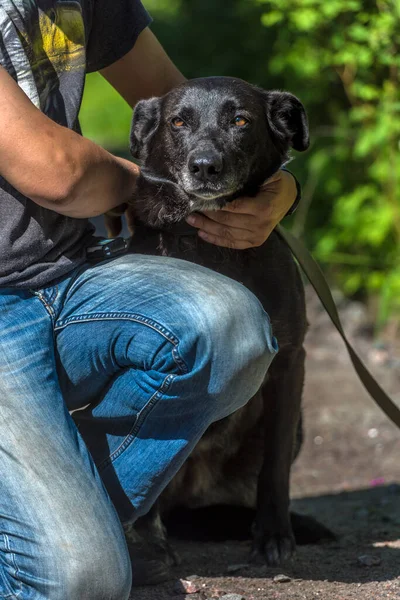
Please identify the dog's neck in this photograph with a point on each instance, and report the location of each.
(177, 229)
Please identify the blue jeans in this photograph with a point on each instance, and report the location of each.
(145, 352)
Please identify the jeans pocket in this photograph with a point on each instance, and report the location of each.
(8, 565)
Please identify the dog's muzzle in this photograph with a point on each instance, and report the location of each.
(206, 166)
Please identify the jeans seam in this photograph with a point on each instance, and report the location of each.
(48, 303)
(137, 318)
(16, 570)
(179, 360)
(141, 415)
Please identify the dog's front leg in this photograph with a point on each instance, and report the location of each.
(272, 531)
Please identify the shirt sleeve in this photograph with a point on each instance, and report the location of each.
(116, 25)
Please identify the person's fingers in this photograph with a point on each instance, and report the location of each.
(224, 219)
(234, 244)
(229, 236)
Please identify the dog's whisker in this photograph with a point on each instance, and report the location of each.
(150, 176)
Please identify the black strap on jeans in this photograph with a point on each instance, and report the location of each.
(318, 281)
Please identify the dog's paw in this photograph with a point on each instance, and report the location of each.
(151, 563)
(149, 572)
(152, 558)
(274, 547)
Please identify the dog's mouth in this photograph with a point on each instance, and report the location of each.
(184, 197)
(205, 193)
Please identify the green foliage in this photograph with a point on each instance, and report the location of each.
(348, 52)
(105, 117)
(342, 58)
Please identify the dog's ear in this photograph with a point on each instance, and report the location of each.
(288, 120)
(146, 117)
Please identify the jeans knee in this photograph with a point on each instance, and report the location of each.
(252, 347)
(234, 345)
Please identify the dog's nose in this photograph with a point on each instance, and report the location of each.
(205, 166)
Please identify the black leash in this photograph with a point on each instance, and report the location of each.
(318, 281)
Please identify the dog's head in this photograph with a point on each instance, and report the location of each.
(209, 141)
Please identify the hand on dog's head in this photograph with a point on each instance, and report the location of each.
(209, 141)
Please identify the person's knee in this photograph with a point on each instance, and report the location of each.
(248, 346)
(210, 330)
(231, 343)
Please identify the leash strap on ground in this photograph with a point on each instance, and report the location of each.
(318, 281)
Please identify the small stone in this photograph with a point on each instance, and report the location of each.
(235, 568)
(366, 560)
(233, 597)
(281, 579)
(373, 433)
(184, 586)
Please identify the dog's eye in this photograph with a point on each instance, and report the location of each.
(240, 121)
(178, 122)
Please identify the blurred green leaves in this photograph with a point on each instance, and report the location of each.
(350, 52)
(105, 117)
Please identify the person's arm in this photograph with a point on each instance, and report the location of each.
(143, 72)
(54, 166)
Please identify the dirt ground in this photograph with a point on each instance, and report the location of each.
(347, 475)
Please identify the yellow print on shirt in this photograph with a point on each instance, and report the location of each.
(53, 43)
(62, 36)
(55, 38)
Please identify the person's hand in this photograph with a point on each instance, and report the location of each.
(247, 222)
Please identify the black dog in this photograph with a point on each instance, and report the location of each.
(202, 145)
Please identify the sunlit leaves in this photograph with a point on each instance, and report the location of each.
(357, 45)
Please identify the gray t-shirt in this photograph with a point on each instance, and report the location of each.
(47, 47)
